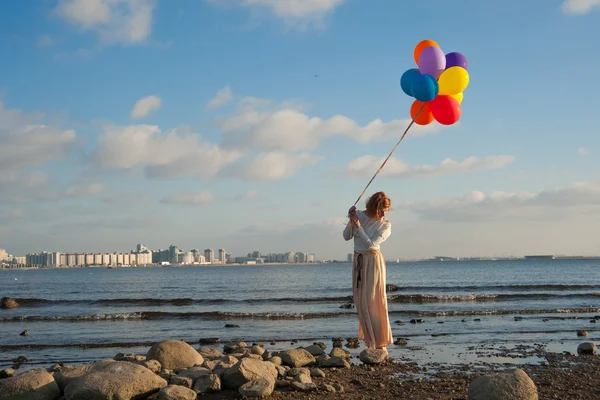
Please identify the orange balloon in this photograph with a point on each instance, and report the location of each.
(422, 45)
(425, 117)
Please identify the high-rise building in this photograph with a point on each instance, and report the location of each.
(140, 248)
(3, 255)
(209, 254)
(290, 257)
(222, 256)
(311, 258)
(300, 257)
(173, 254)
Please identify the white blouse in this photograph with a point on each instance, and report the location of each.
(370, 234)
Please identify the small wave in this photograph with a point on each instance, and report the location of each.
(218, 315)
(466, 313)
(158, 315)
(438, 298)
(554, 287)
(177, 302)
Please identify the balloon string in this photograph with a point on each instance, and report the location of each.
(389, 155)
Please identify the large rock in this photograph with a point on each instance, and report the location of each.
(333, 362)
(194, 373)
(207, 384)
(513, 385)
(248, 370)
(373, 356)
(257, 388)
(69, 374)
(208, 353)
(118, 380)
(339, 352)
(587, 348)
(174, 354)
(173, 392)
(37, 384)
(296, 358)
(315, 350)
(8, 302)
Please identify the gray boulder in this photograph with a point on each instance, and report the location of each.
(174, 354)
(37, 384)
(513, 385)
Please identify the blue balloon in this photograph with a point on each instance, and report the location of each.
(425, 88)
(407, 80)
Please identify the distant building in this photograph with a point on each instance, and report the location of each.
(540, 257)
(3, 255)
(209, 254)
(173, 254)
(222, 256)
(311, 258)
(300, 257)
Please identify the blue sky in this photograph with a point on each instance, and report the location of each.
(202, 124)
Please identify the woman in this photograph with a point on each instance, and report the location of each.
(369, 229)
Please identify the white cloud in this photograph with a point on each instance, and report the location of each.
(582, 151)
(222, 98)
(270, 166)
(261, 124)
(174, 154)
(26, 141)
(189, 199)
(145, 106)
(295, 13)
(248, 196)
(123, 21)
(367, 165)
(580, 198)
(579, 7)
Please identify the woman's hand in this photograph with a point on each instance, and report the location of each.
(353, 217)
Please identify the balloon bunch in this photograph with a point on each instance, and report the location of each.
(437, 85)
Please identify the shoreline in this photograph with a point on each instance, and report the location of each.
(561, 374)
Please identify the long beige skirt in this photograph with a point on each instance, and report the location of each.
(370, 299)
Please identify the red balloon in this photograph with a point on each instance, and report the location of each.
(425, 117)
(445, 109)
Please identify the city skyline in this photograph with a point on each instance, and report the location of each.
(142, 256)
(256, 125)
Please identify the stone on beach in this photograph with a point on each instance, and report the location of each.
(208, 353)
(173, 354)
(172, 392)
(514, 385)
(37, 384)
(114, 380)
(315, 350)
(207, 384)
(8, 302)
(339, 352)
(332, 362)
(297, 358)
(587, 348)
(304, 387)
(246, 370)
(373, 356)
(257, 388)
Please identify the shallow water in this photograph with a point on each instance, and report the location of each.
(460, 303)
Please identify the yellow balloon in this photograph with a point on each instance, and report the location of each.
(453, 81)
(458, 97)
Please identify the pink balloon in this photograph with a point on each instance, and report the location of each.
(432, 61)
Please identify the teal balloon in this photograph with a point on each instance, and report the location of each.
(425, 88)
(408, 78)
